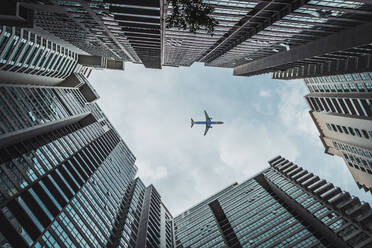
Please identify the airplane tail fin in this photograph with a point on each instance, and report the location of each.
(192, 122)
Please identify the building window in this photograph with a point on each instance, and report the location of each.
(365, 134)
(356, 77)
(348, 77)
(347, 230)
(352, 87)
(369, 86)
(345, 130)
(360, 86)
(358, 132)
(364, 76)
(351, 131)
(334, 127)
(341, 78)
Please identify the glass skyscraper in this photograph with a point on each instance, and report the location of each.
(67, 178)
(63, 168)
(25, 53)
(283, 206)
(252, 36)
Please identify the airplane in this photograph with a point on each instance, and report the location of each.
(208, 122)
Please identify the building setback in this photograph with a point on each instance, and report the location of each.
(32, 58)
(341, 108)
(23, 52)
(283, 206)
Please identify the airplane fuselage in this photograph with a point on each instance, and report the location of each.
(208, 122)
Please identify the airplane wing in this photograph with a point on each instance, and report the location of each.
(207, 116)
(206, 129)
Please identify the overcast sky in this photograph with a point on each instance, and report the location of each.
(263, 118)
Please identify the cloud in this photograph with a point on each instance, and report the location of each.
(293, 110)
(264, 93)
(151, 109)
(264, 108)
(247, 147)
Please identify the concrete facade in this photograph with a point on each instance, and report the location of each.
(342, 112)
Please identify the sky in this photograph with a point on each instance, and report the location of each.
(263, 118)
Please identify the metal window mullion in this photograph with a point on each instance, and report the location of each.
(27, 93)
(9, 120)
(88, 225)
(17, 102)
(10, 176)
(95, 196)
(15, 162)
(13, 112)
(41, 92)
(77, 227)
(30, 105)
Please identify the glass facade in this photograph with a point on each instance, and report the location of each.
(67, 179)
(64, 179)
(25, 52)
(284, 206)
(242, 35)
(136, 31)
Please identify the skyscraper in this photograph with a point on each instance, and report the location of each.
(156, 224)
(312, 38)
(67, 177)
(341, 108)
(288, 37)
(58, 153)
(253, 37)
(283, 206)
(182, 48)
(117, 30)
(27, 56)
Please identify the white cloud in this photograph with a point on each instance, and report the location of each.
(293, 110)
(264, 93)
(151, 109)
(247, 146)
(264, 108)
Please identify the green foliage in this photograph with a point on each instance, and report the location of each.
(193, 15)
